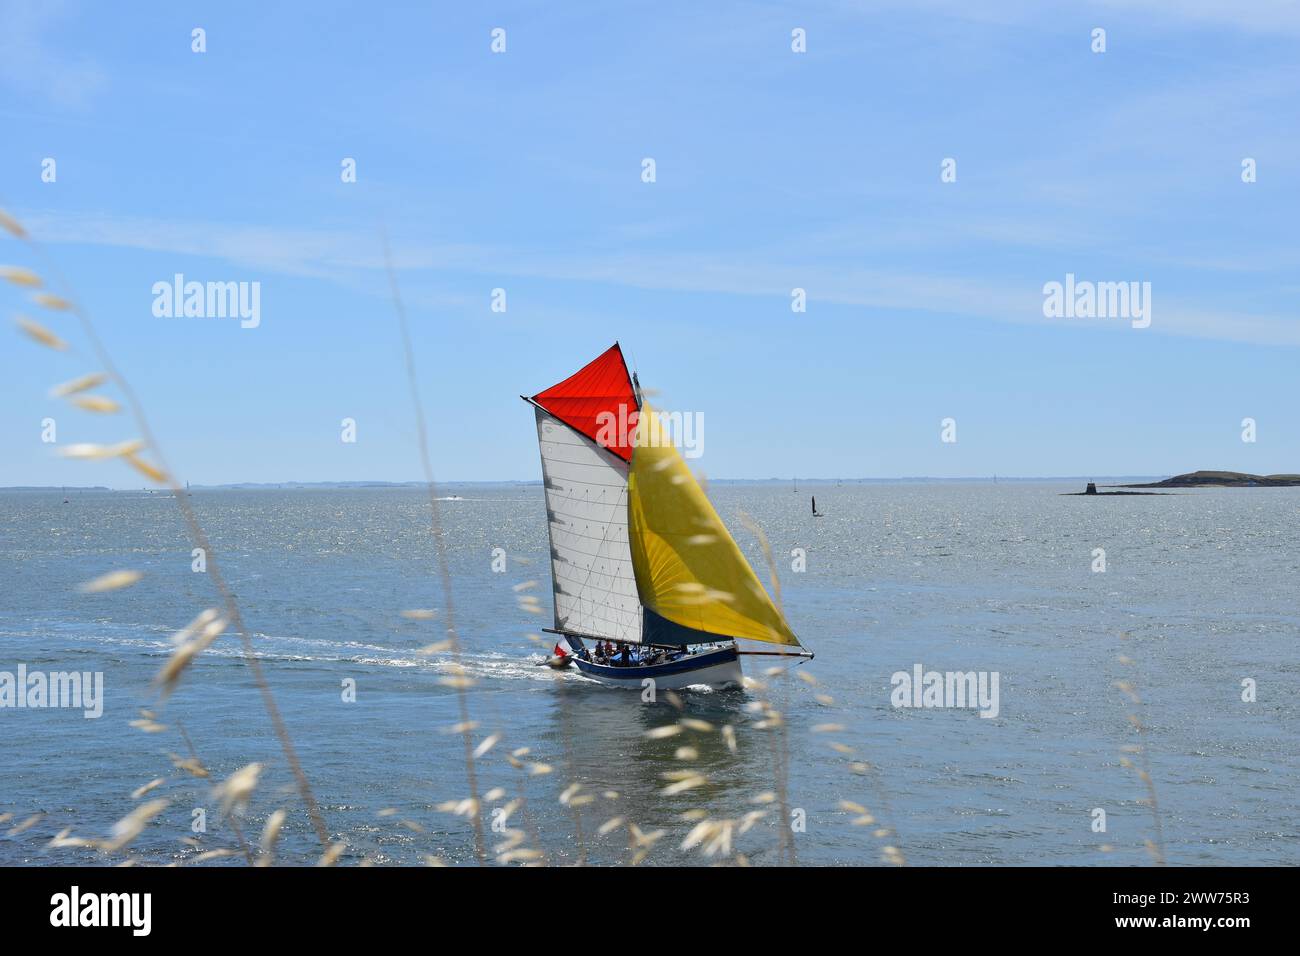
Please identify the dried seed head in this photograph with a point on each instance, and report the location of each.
(643, 839)
(11, 225)
(687, 783)
(270, 834)
(190, 765)
(20, 276)
(569, 792)
(139, 792)
(112, 581)
(192, 640)
(98, 452)
(331, 856)
(521, 855)
(50, 301)
(83, 384)
(152, 472)
(40, 334)
(235, 790)
(131, 825)
(26, 825)
(96, 403)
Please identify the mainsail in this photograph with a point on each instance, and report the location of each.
(688, 568)
(585, 446)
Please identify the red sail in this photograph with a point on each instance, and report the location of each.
(598, 401)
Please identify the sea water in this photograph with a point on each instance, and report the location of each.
(1190, 630)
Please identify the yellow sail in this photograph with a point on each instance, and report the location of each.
(688, 567)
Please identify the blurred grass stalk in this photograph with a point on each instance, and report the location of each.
(200, 539)
(444, 573)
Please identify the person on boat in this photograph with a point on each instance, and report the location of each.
(626, 656)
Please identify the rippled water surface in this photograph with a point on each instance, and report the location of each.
(1200, 593)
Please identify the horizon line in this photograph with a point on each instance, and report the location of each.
(419, 483)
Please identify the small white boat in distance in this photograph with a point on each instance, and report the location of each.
(650, 588)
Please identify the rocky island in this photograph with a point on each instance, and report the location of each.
(1222, 479)
(1092, 490)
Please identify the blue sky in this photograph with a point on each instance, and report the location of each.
(775, 170)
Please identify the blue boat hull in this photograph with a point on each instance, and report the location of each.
(715, 668)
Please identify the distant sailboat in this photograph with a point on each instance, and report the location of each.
(816, 513)
(647, 581)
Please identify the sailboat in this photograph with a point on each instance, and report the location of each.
(648, 583)
(816, 513)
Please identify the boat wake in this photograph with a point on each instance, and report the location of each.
(153, 640)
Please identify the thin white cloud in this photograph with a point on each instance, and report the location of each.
(29, 62)
(1261, 16)
(349, 257)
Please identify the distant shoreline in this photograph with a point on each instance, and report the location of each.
(1197, 479)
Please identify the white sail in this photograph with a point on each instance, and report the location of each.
(586, 510)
